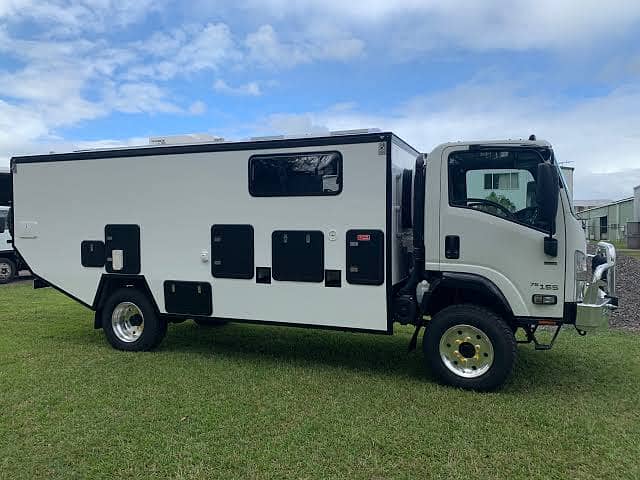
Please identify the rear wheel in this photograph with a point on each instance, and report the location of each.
(470, 347)
(130, 322)
(7, 270)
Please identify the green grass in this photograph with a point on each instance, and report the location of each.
(629, 252)
(246, 401)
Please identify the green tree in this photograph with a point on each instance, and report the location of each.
(502, 200)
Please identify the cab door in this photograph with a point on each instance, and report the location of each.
(490, 227)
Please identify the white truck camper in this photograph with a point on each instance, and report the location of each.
(10, 263)
(352, 231)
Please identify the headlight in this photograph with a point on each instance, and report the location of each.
(581, 274)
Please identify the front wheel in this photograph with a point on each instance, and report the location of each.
(470, 347)
(130, 322)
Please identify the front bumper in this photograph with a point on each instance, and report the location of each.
(599, 295)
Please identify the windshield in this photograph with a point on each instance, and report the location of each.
(566, 190)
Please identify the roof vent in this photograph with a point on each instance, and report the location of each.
(185, 139)
(357, 131)
(267, 138)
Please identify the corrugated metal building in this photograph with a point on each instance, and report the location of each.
(608, 222)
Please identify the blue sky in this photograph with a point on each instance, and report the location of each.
(114, 72)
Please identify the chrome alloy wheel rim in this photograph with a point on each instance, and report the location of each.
(466, 351)
(127, 322)
(5, 270)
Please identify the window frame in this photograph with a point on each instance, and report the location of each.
(494, 180)
(455, 205)
(488, 176)
(340, 169)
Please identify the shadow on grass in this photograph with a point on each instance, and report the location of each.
(285, 345)
(555, 370)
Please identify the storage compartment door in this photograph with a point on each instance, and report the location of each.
(122, 248)
(365, 257)
(188, 298)
(298, 255)
(232, 251)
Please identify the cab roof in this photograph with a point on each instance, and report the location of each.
(498, 143)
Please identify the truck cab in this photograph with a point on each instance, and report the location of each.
(502, 246)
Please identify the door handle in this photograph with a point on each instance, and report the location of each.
(452, 246)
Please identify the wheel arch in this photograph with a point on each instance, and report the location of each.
(109, 283)
(452, 288)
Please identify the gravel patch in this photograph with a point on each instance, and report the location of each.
(627, 316)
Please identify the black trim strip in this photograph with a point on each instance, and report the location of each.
(281, 324)
(206, 147)
(534, 320)
(389, 239)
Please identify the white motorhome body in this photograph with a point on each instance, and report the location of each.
(170, 205)
(315, 232)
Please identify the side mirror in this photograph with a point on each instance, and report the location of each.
(3, 225)
(548, 193)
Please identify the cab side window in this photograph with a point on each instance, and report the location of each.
(498, 183)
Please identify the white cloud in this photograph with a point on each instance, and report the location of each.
(64, 17)
(56, 83)
(421, 25)
(197, 108)
(296, 124)
(599, 136)
(248, 89)
(266, 48)
(187, 50)
(142, 97)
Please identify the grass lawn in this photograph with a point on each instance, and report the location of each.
(621, 248)
(629, 252)
(246, 401)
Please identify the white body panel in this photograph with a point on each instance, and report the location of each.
(175, 199)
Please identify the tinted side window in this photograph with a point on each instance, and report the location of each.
(298, 174)
(500, 183)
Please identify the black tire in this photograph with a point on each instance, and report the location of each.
(154, 328)
(502, 348)
(7, 270)
(209, 322)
